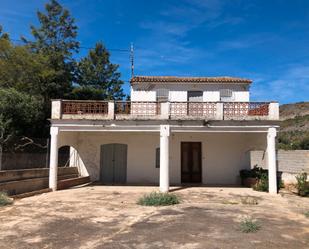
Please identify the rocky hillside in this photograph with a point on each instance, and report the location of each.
(289, 111)
(294, 128)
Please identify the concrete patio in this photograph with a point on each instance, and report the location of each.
(108, 217)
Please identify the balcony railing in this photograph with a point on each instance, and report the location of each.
(241, 109)
(70, 109)
(84, 107)
(137, 108)
(198, 109)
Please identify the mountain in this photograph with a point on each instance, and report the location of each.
(294, 128)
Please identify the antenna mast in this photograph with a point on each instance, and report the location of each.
(132, 59)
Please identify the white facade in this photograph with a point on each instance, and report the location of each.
(174, 124)
(179, 92)
(221, 159)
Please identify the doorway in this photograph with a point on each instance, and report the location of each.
(113, 163)
(191, 162)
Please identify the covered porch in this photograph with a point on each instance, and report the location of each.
(172, 153)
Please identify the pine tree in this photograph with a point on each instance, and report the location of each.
(97, 72)
(56, 38)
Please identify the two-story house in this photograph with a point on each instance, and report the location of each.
(174, 130)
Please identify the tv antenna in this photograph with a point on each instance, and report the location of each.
(132, 59)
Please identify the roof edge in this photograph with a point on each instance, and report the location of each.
(177, 79)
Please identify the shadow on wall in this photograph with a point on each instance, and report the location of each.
(68, 156)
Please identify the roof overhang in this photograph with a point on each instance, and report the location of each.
(154, 126)
(188, 80)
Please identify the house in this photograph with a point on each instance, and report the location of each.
(174, 130)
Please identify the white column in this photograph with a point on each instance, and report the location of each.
(111, 110)
(271, 160)
(53, 161)
(164, 157)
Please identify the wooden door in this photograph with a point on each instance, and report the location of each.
(191, 162)
(113, 163)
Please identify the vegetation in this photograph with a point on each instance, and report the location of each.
(262, 178)
(302, 184)
(262, 183)
(158, 199)
(306, 214)
(294, 128)
(248, 225)
(256, 172)
(4, 199)
(45, 67)
(249, 200)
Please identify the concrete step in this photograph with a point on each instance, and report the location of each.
(23, 174)
(68, 183)
(29, 185)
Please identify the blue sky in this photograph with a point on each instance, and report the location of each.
(264, 40)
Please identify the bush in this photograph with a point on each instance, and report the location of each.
(248, 225)
(302, 184)
(306, 214)
(249, 200)
(262, 184)
(256, 172)
(4, 199)
(158, 199)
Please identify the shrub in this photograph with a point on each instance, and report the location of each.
(4, 199)
(306, 214)
(302, 184)
(256, 172)
(249, 200)
(158, 199)
(248, 225)
(262, 184)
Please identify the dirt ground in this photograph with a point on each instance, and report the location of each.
(108, 217)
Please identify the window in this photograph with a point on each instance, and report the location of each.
(226, 94)
(162, 95)
(195, 96)
(157, 158)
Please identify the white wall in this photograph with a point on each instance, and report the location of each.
(223, 154)
(137, 95)
(178, 92)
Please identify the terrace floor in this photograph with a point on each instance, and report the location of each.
(108, 217)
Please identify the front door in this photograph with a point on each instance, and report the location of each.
(191, 162)
(113, 163)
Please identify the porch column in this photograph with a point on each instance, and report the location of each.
(271, 160)
(53, 161)
(164, 157)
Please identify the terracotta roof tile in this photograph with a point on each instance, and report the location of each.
(173, 79)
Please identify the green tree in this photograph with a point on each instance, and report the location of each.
(95, 71)
(56, 38)
(24, 70)
(19, 114)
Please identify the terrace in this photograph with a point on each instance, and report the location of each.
(136, 110)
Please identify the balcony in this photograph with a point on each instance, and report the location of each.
(134, 110)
